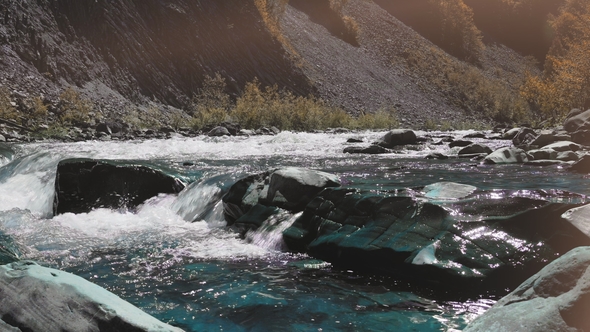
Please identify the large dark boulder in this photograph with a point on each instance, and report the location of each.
(557, 298)
(289, 188)
(85, 184)
(398, 137)
(459, 240)
(36, 298)
(524, 137)
(577, 120)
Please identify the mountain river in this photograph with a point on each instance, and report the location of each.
(200, 276)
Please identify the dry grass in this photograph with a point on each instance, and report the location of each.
(469, 88)
(7, 110)
(72, 108)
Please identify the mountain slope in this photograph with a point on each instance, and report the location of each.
(354, 54)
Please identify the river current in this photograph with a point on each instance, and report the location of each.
(200, 276)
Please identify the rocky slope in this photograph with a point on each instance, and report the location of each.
(130, 52)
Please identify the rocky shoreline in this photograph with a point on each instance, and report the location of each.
(492, 241)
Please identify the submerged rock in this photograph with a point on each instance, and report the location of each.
(85, 184)
(507, 155)
(289, 188)
(436, 155)
(467, 241)
(448, 190)
(460, 143)
(36, 298)
(557, 298)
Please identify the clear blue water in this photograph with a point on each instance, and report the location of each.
(200, 276)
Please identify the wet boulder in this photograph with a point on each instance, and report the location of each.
(475, 148)
(580, 218)
(581, 137)
(557, 298)
(510, 134)
(507, 155)
(577, 120)
(9, 252)
(36, 298)
(563, 146)
(542, 154)
(398, 137)
(460, 143)
(436, 155)
(544, 139)
(289, 188)
(372, 149)
(582, 165)
(218, 132)
(524, 137)
(453, 237)
(85, 184)
(567, 156)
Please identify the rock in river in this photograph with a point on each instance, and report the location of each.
(398, 137)
(466, 240)
(36, 298)
(372, 149)
(507, 155)
(289, 188)
(555, 299)
(85, 184)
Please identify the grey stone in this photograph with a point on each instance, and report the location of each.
(460, 143)
(218, 132)
(557, 298)
(475, 148)
(507, 155)
(372, 149)
(577, 120)
(511, 133)
(563, 146)
(567, 156)
(542, 154)
(524, 137)
(36, 298)
(582, 165)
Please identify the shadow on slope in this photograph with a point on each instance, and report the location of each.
(320, 12)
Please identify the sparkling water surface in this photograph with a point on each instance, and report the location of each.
(200, 276)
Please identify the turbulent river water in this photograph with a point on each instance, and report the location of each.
(200, 276)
